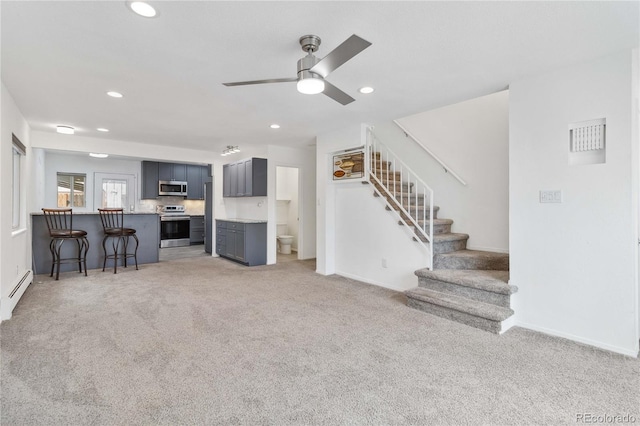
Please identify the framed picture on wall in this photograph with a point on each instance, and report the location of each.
(348, 166)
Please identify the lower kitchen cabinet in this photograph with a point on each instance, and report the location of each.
(196, 230)
(244, 242)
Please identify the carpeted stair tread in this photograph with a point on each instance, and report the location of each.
(445, 243)
(452, 236)
(436, 222)
(472, 259)
(461, 304)
(440, 226)
(492, 281)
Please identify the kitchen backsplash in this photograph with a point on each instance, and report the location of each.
(192, 207)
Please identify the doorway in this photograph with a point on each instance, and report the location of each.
(287, 214)
(114, 190)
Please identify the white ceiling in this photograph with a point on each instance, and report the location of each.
(59, 59)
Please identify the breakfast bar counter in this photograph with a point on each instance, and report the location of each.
(147, 226)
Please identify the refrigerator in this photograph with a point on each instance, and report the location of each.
(208, 216)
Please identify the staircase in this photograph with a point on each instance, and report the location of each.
(467, 286)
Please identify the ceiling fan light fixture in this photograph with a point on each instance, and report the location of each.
(310, 85)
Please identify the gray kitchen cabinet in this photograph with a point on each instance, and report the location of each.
(245, 178)
(221, 237)
(172, 171)
(196, 229)
(149, 180)
(244, 242)
(233, 179)
(196, 177)
(226, 181)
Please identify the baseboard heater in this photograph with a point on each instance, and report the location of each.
(27, 277)
(14, 297)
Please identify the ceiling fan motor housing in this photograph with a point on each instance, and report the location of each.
(305, 64)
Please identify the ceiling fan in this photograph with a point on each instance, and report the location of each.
(312, 71)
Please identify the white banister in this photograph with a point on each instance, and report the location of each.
(447, 169)
(385, 167)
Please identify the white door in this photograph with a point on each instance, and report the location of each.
(114, 190)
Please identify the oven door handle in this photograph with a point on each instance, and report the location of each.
(173, 219)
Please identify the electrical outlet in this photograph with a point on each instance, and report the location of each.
(384, 262)
(551, 196)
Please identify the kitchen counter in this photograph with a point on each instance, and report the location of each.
(244, 220)
(147, 226)
(75, 213)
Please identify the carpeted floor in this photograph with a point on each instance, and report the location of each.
(207, 341)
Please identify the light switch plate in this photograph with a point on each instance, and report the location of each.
(551, 196)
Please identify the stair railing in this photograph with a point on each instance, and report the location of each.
(384, 167)
(446, 168)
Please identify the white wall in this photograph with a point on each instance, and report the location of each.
(326, 195)
(57, 162)
(367, 235)
(575, 263)
(355, 232)
(15, 245)
(472, 138)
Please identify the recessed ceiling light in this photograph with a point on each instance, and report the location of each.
(275, 126)
(102, 129)
(143, 9)
(114, 94)
(96, 155)
(366, 90)
(65, 130)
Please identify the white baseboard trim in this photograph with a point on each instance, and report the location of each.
(508, 323)
(491, 249)
(17, 290)
(368, 281)
(569, 336)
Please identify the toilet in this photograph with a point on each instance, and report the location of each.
(284, 240)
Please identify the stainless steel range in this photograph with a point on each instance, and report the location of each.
(174, 226)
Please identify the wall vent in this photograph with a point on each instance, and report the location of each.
(587, 142)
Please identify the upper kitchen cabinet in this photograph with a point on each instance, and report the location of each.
(172, 171)
(196, 177)
(245, 178)
(150, 180)
(226, 181)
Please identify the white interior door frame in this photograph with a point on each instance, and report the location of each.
(273, 223)
(99, 177)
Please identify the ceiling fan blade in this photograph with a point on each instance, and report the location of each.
(271, 80)
(341, 54)
(336, 94)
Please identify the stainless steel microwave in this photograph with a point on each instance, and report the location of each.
(173, 187)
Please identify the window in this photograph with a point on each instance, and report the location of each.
(19, 151)
(71, 190)
(114, 190)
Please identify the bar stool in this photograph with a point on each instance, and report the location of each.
(113, 226)
(60, 225)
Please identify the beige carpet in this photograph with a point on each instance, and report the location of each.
(206, 341)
